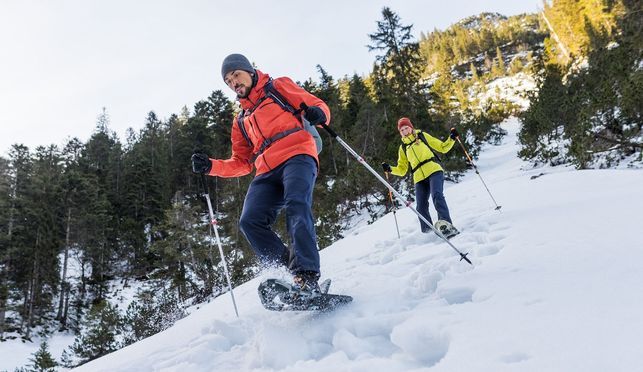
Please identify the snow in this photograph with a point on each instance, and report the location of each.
(553, 287)
(514, 89)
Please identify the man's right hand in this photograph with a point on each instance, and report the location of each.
(386, 167)
(201, 163)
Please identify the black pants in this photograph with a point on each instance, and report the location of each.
(431, 186)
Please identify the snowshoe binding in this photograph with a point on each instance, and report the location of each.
(446, 229)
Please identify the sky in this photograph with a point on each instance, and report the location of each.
(62, 61)
(553, 287)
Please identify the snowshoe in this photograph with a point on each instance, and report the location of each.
(278, 295)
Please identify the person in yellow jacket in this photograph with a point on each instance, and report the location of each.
(417, 153)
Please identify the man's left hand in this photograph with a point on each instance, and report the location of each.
(314, 115)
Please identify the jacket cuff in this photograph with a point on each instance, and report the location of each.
(211, 173)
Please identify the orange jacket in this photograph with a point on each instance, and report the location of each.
(266, 121)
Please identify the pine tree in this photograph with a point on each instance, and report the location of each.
(22, 235)
(42, 360)
(5, 212)
(400, 66)
(43, 206)
(151, 313)
(516, 66)
(182, 255)
(145, 192)
(100, 335)
(474, 73)
(141, 318)
(72, 203)
(499, 64)
(101, 166)
(548, 112)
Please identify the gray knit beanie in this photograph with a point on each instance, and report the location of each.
(236, 62)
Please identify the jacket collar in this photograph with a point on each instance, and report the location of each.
(411, 137)
(256, 92)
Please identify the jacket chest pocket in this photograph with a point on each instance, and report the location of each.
(270, 119)
(258, 125)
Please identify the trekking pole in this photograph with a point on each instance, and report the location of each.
(463, 256)
(214, 223)
(390, 196)
(477, 172)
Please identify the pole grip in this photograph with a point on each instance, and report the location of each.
(329, 130)
(390, 194)
(204, 184)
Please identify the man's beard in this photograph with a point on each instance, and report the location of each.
(245, 92)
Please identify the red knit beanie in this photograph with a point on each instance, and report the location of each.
(404, 122)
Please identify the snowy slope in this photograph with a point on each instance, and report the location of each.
(554, 287)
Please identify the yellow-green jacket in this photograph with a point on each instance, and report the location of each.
(417, 152)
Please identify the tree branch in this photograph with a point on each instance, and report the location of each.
(622, 143)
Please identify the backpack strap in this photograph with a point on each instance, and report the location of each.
(279, 99)
(242, 127)
(413, 169)
(423, 139)
(269, 141)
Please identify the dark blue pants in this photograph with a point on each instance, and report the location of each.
(431, 186)
(289, 187)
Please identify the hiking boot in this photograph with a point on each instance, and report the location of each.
(446, 229)
(306, 282)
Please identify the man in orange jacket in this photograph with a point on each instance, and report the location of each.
(271, 137)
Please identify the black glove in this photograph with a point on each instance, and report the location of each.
(386, 167)
(201, 163)
(314, 115)
(454, 133)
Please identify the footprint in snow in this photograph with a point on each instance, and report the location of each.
(488, 250)
(454, 296)
(515, 357)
